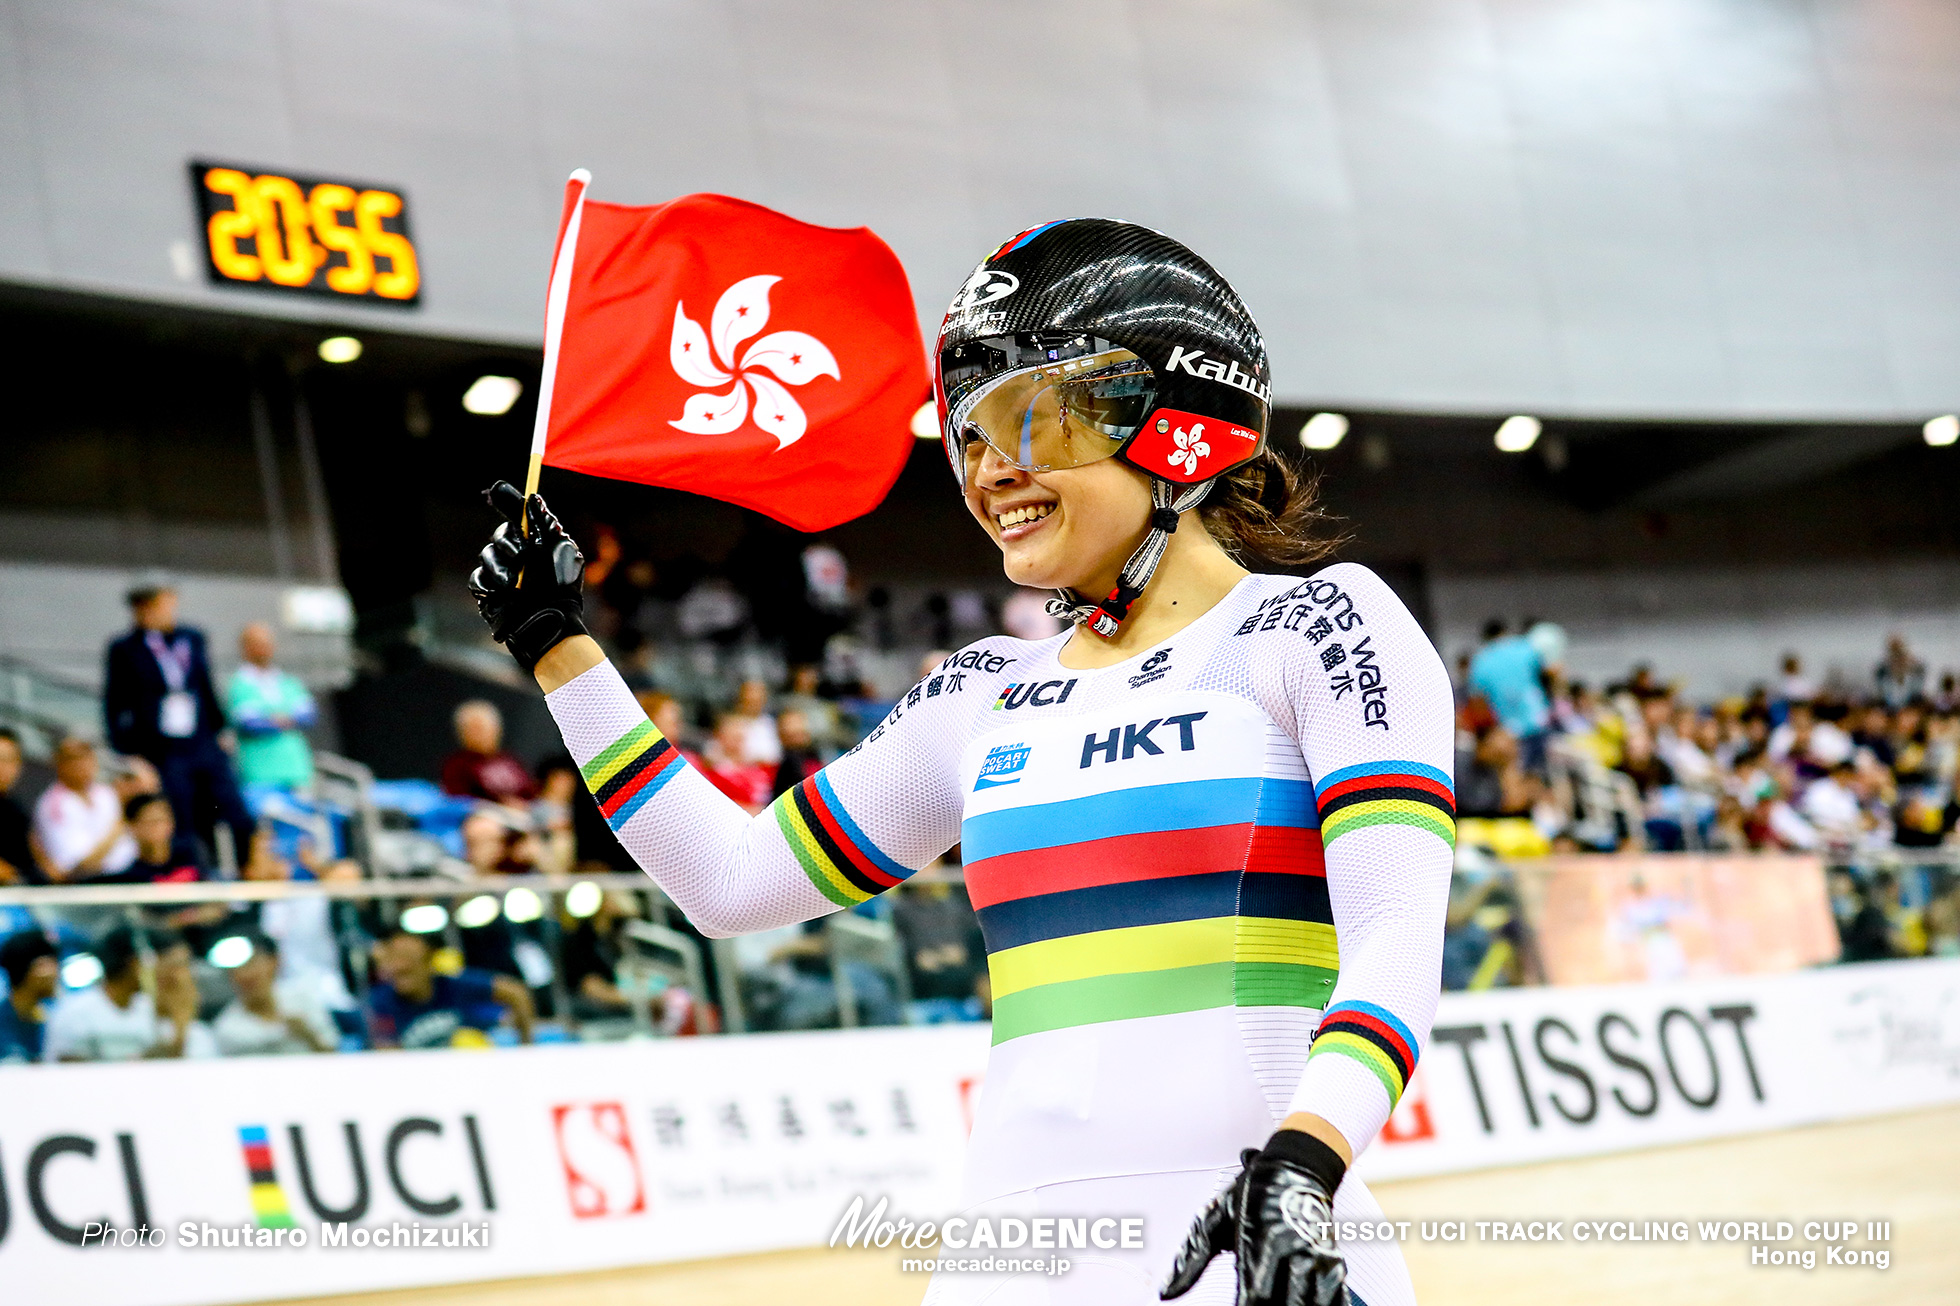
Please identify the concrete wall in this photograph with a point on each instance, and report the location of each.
(1655, 207)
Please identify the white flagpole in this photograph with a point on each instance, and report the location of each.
(554, 326)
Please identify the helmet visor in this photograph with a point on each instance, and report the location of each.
(1042, 402)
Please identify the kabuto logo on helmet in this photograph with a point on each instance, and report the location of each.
(985, 286)
(1189, 361)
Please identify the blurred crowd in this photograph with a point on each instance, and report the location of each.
(1862, 771)
(201, 781)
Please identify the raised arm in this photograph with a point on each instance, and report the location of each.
(858, 827)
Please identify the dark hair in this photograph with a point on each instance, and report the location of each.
(397, 930)
(263, 945)
(1493, 628)
(1267, 514)
(11, 735)
(19, 953)
(163, 939)
(137, 802)
(116, 950)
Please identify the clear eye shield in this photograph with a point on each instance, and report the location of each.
(1042, 402)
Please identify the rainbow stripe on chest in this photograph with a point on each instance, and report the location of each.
(1151, 900)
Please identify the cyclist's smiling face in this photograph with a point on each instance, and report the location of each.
(1068, 528)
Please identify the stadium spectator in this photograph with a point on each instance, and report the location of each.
(944, 952)
(161, 857)
(78, 820)
(1795, 686)
(271, 1016)
(17, 864)
(499, 840)
(1814, 746)
(826, 728)
(159, 704)
(591, 959)
(1508, 672)
(412, 1006)
(1868, 934)
(480, 768)
(551, 815)
(1900, 676)
(270, 710)
(33, 969)
(761, 745)
(800, 758)
(115, 1020)
(1491, 780)
(305, 928)
(729, 767)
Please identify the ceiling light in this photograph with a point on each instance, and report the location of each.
(1942, 431)
(339, 349)
(230, 952)
(521, 905)
(1518, 434)
(425, 918)
(925, 422)
(492, 396)
(81, 970)
(1323, 431)
(583, 899)
(479, 911)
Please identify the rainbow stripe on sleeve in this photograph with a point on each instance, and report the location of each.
(631, 770)
(1386, 793)
(839, 858)
(1371, 1035)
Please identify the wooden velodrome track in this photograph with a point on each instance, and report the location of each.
(1905, 1168)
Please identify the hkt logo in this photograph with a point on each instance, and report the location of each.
(1133, 739)
(1002, 767)
(790, 357)
(602, 1171)
(1033, 694)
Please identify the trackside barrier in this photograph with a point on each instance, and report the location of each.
(552, 1159)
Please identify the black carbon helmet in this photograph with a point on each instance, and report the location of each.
(1188, 402)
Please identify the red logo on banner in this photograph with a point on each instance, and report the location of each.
(1186, 448)
(602, 1172)
(1410, 1122)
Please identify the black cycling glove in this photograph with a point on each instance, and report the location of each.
(1276, 1219)
(531, 617)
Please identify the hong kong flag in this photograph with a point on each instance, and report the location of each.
(715, 346)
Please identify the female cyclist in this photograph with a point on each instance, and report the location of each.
(1207, 831)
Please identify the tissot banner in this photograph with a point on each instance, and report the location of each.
(351, 1173)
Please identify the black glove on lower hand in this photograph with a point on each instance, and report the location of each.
(1275, 1218)
(530, 617)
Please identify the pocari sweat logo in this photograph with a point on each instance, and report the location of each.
(1002, 766)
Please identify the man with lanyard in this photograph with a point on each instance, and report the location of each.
(160, 705)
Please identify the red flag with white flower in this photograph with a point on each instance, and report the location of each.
(715, 346)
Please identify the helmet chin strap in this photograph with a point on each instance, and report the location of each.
(1106, 618)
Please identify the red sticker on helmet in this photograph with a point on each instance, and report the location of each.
(1186, 448)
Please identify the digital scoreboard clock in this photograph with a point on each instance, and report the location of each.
(306, 235)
